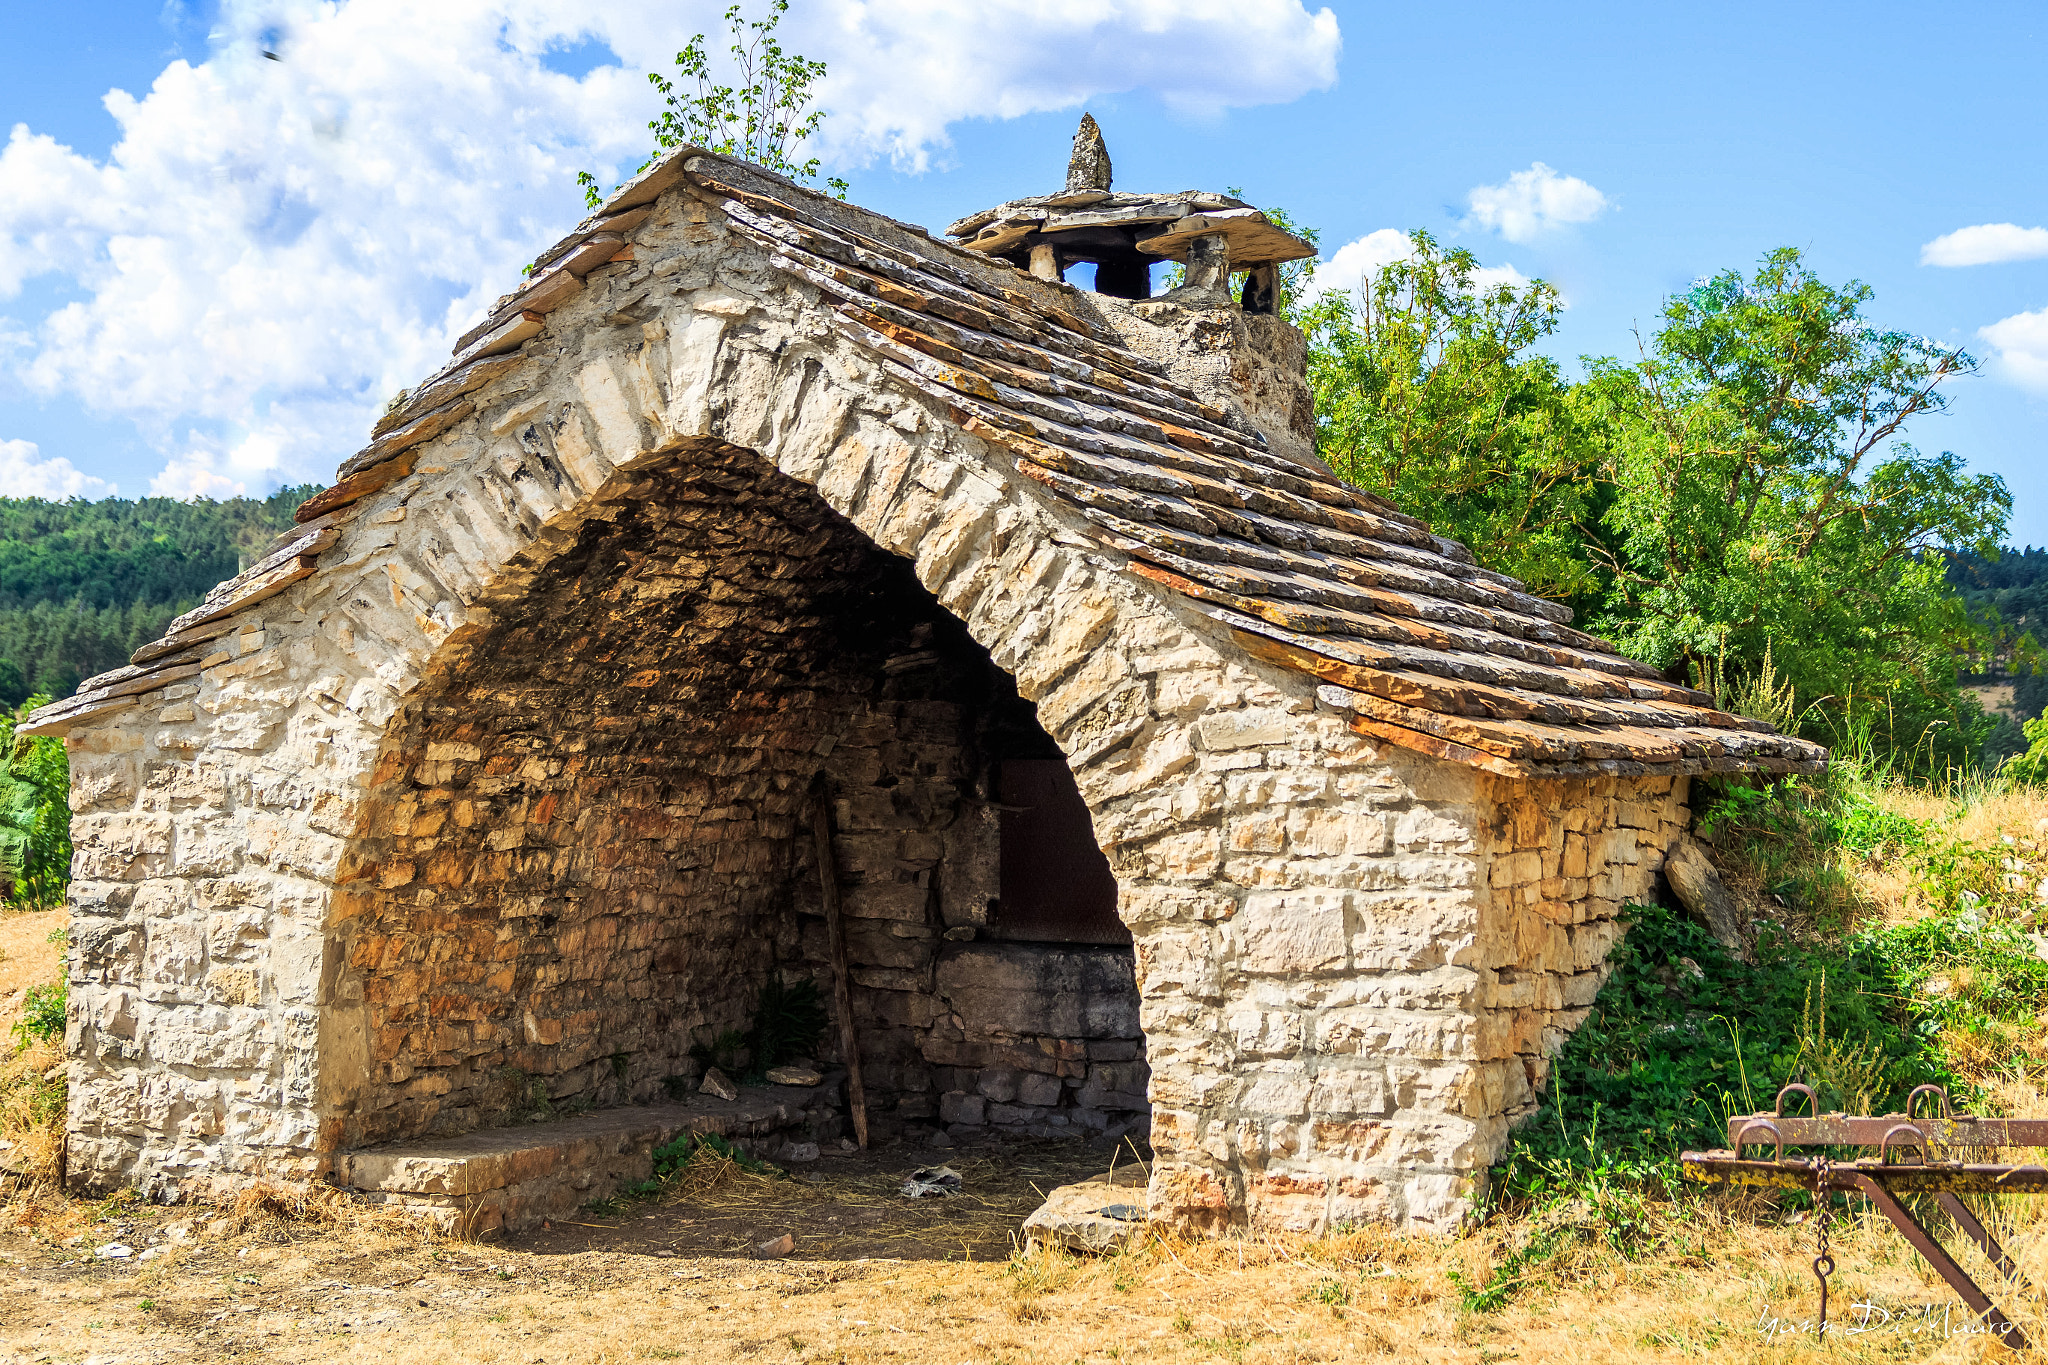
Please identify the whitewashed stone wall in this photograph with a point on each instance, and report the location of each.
(1351, 959)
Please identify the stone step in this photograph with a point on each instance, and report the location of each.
(1100, 1215)
(511, 1179)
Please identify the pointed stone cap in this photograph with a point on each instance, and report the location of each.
(1088, 168)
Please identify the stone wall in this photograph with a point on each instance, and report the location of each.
(1346, 984)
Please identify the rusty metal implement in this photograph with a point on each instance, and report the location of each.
(1932, 1139)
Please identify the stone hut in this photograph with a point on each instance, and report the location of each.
(1162, 776)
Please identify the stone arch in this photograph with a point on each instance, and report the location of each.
(587, 838)
(1371, 810)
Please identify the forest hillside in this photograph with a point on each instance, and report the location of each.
(83, 583)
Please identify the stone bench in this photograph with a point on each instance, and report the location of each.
(511, 1179)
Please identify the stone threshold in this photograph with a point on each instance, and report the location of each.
(512, 1179)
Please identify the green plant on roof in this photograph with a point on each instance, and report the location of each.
(765, 116)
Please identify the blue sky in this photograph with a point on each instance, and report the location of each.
(1697, 137)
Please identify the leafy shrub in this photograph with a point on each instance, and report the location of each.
(2031, 766)
(35, 814)
(42, 1015)
(1965, 972)
(1683, 1035)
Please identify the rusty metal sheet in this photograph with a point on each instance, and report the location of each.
(1909, 1178)
(1856, 1130)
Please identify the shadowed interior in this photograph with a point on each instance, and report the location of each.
(590, 843)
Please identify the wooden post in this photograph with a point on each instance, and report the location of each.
(842, 984)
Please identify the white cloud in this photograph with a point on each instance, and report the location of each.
(902, 70)
(1354, 264)
(192, 476)
(2020, 343)
(1529, 203)
(1986, 244)
(274, 247)
(24, 475)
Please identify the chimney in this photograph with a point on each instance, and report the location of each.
(1216, 329)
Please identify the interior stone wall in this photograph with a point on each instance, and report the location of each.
(588, 841)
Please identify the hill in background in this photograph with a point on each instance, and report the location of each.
(83, 583)
(2011, 592)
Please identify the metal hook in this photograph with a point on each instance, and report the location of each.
(1941, 1095)
(1769, 1127)
(1884, 1148)
(1812, 1100)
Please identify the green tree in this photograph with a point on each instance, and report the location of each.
(1763, 499)
(35, 813)
(765, 117)
(1429, 390)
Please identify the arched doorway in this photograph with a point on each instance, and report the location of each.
(587, 849)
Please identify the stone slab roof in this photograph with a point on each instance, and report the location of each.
(1420, 645)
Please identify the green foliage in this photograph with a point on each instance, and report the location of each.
(2008, 594)
(42, 1014)
(673, 1158)
(1509, 1275)
(1683, 1035)
(35, 814)
(1762, 494)
(1737, 506)
(1964, 970)
(765, 117)
(83, 583)
(2031, 766)
(1429, 390)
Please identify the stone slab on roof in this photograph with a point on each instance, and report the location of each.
(1419, 645)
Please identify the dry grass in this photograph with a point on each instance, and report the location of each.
(283, 1275)
(31, 1078)
(363, 1293)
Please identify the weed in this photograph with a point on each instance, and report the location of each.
(1233, 1342)
(1332, 1293)
(42, 1015)
(620, 1061)
(146, 1305)
(1508, 1276)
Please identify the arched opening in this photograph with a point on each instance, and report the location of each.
(590, 845)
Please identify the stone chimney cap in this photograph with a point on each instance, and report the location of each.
(1088, 168)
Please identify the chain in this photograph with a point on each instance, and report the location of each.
(1823, 1264)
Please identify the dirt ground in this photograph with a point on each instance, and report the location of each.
(877, 1278)
(27, 956)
